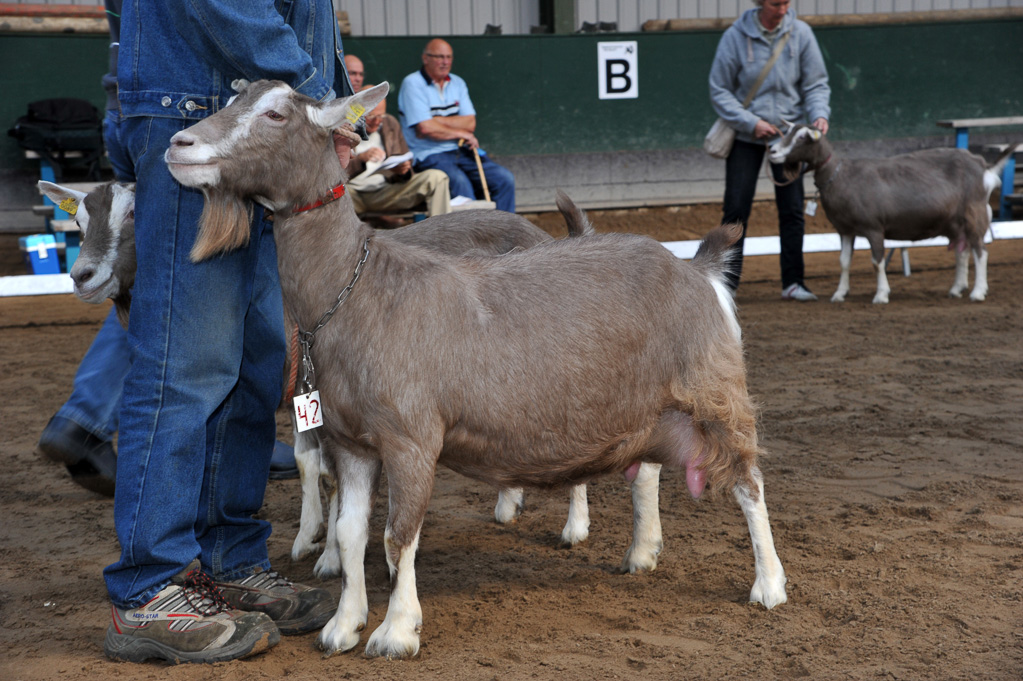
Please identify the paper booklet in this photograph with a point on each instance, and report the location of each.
(386, 164)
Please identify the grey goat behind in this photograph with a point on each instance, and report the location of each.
(105, 267)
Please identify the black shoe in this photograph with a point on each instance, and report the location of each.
(91, 461)
(282, 464)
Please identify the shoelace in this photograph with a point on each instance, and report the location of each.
(203, 594)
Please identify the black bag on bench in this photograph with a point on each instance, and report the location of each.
(54, 127)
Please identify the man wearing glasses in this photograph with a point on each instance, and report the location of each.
(439, 122)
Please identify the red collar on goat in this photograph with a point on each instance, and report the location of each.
(333, 195)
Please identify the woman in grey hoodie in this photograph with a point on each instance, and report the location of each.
(795, 90)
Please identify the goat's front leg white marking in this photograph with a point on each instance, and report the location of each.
(358, 483)
(962, 278)
(845, 260)
(509, 505)
(646, 521)
(310, 524)
(647, 542)
(577, 527)
(769, 587)
(980, 278)
(883, 289)
(329, 563)
(398, 635)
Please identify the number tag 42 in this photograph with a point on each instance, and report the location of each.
(308, 413)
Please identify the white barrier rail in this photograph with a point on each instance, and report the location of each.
(44, 284)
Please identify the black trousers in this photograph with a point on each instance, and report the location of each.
(741, 170)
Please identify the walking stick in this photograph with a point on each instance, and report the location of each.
(479, 167)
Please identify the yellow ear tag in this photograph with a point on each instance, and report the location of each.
(69, 206)
(355, 113)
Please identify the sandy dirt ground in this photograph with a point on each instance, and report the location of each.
(894, 480)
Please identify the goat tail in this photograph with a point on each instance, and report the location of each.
(575, 218)
(715, 252)
(225, 225)
(999, 164)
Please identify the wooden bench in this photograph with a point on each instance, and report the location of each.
(962, 127)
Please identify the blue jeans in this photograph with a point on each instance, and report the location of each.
(460, 166)
(197, 424)
(96, 397)
(741, 171)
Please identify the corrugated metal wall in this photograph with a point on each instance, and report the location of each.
(470, 17)
(439, 17)
(630, 14)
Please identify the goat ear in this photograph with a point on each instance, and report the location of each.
(240, 85)
(67, 199)
(348, 110)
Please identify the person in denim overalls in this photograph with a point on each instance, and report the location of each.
(197, 427)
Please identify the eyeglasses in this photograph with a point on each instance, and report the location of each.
(374, 119)
(446, 57)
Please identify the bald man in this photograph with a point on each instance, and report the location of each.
(436, 114)
(356, 71)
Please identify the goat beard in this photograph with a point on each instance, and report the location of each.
(791, 171)
(224, 226)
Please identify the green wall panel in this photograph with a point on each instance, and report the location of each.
(538, 94)
(34, 67)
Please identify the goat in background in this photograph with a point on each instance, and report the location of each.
(920, 195)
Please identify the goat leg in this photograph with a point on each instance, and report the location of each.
(509, 505)
(877, 258)
(646, 521)
(577, 526)
(845, 259)
(769, 587)
(409, 486)
(358, 479)
(307, 457)
(980, 278)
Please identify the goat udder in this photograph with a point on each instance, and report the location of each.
(631, 472)
(696, 477)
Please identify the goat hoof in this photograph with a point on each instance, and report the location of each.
(880, 300)
(837, 298)
(300, 552)
(977, 297)
(386, 642)
(768, 595)
(570, 538)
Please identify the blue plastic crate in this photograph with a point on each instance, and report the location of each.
(40, 253)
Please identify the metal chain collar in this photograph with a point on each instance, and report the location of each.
(307, 338)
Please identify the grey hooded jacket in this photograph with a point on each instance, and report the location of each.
(796, 89)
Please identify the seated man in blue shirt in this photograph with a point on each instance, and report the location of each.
(436, 115)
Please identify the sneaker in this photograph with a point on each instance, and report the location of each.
(296, 609)
(797, 292)
(90, 460)
(188, 621)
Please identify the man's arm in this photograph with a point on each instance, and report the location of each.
(449, 128)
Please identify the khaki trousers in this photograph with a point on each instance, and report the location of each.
(430, 186)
